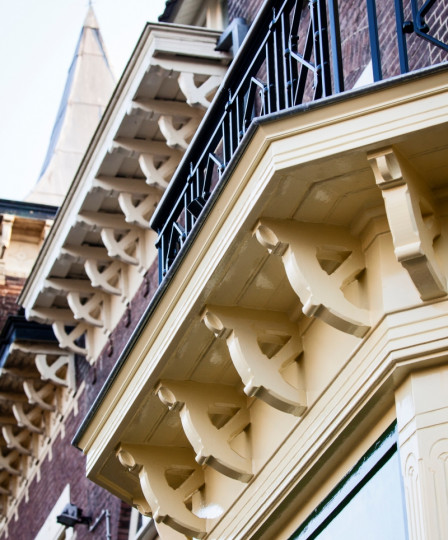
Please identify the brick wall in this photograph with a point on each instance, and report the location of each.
(9, 292)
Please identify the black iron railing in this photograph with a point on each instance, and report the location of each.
(295, 52)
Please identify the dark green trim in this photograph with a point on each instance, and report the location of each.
(372, 461)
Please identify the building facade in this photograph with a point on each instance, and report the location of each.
(248, 275)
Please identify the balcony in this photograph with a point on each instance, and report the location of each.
(302, 273)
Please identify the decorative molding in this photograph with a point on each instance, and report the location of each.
(61, 372)
(169, 477)
(212, 416)
(412, 220)
(319, 260)
(261, 344)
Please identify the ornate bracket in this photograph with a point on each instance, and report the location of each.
(88, 310)
(198, 95)
(120, 246)
(178, 137)
(139, 214)
(61, 372)
(67, 338)
(319, 260)
(32, 421)
(7, 463)
(21, 442)
(157, 172)
(169, 477)
(212, 416)
(261, 344)
(44, 397)
(107, 278)
(412, 221)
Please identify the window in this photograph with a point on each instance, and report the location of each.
(367, 503)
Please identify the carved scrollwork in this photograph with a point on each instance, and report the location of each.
(121, 246)
(158, 172)
(212, 416)
(44, 397)
(169, 477)
(412, 220)
(21, 441)
(67, 337)
(61, 372)
(31, 420)
(319, 260)
(262, 344)
(140, 213)
(178, 137)
(198, 95)
(107, 278)
(87, 309)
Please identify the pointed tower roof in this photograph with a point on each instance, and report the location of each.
(87, 91)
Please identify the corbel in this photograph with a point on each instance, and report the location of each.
(44, 398)
(7, 463)
(167, 107)
(262, 344)
(21, 442)
(197, 95)
(67, 335)
(32, 420)
(119, 249)
(169, 477)
(82, 253)
(212, 416)
(319, 260)
(107, 278)
(158, 171)
(140, 213)
(178, 137)
(135, 147)
(7, 224)
(63, 285)
(87, 309)
(61, 372)
(96, 221)
(411, 214)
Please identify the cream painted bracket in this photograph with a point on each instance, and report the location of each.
(198, 403)
(156, 466)
(412, 220)
(319, 260)
(261, 344)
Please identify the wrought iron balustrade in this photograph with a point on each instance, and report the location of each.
(295, 52)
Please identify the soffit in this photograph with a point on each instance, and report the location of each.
(227, 266)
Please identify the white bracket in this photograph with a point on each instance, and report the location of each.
(32, 421)
(17, 442)
(198, 95)
(61, 372)
(44, 398)
(178, 137)
(158, 468)
(212, 416)
(412, 220)
(262, 344)
(120, 249)
(6, 463)
(158, 172)
(106, 279)
(67, 339)
(87, 309)
(139, 214)
(319, 260)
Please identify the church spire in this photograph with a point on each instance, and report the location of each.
(87, 91)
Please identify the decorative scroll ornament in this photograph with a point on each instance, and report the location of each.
(32, 421)
(11, 463)
(158, 172)
(198, 95)
(212, 416)
(88, 310)
(107, 278)
(169, 477)
(67, 338)
(319, 260)
(178, 137)
(121, 246)
(262, 344)
(61, 372)
(412, 221)
(139, 214)
(44, 398)
(21, 441)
